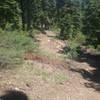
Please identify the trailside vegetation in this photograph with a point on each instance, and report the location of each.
(72, 17)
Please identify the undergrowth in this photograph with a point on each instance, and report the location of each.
(73, 46)
(13, 45)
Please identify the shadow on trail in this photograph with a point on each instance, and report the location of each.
(93, 59)
(93, 76)
(14, 95)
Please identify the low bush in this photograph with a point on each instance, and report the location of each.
(73, 48)
(13, 45)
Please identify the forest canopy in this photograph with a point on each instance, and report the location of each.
(70, 16)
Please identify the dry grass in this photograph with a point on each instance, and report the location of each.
(46, 74)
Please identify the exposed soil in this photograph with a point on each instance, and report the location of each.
(83, 75)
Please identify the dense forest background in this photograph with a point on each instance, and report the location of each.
(71, 16)
(74, 18)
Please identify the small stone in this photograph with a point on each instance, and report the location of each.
(48, 40)
(17, 89)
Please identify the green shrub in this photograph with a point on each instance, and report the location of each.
(73, 48)
(79, 38)
(13, 45)
(98, 48)
(55, 29)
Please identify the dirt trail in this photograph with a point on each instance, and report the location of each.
(50, 44)
(77, 87)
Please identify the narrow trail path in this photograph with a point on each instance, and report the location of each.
(77, 86)
(50, 44)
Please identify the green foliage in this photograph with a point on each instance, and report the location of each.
(98, 48)
(70, 16)
(70, 19)
(9, 13)
(13, 45)
(73, 49)
(91, 21)
(79, 38)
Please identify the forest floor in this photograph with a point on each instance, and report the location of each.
(49, 75)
